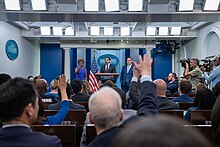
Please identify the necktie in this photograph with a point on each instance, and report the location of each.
(106, 68)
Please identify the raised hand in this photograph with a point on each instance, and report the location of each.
(136, 72)
(62, 84)
(144, 66)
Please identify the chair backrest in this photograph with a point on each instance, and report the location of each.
(75, 116)
(200, 116)
(67, 134)
(176, 113)
(90, 132)
(46, 104)
(85, 104)
(206, 130)
(186, 105)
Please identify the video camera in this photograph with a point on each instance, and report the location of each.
(207, 64)
(184, 61)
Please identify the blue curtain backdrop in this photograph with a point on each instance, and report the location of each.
(73, 63)
(88, 61)
(127, 54)
(162, 64)
(51, 61)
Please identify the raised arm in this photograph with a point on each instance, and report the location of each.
(61, 114)
(147, 103)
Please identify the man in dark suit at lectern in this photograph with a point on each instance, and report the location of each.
(108, 68)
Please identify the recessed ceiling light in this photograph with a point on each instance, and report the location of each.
(91, 5)
(175, 31)
(57, 31)
(151, 31)
(108, 31)
(12, 5)
(45, 30)
(111, 5)
(94, 30)
(135, 5)
(39, 5)
(69, 31)
(125, 31)
(211, 5)
(186, 5)
(163, 30)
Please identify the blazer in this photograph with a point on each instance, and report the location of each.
(110, 70)
(80, 97)
(126, 77)
(72, 106)
(105, 138)
(133, 94)
(165, 104)
(23, 136)
(183, 98)
(173, 87)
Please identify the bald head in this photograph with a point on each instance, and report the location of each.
(105, 108)
(161, 87)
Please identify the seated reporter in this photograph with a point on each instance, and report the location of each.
(18, 110)
(64, 107)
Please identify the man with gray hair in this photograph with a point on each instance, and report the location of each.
(106, 113)
(195, 74)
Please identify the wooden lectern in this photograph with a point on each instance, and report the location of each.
(107, 76)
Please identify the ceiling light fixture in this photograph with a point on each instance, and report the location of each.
(163, 31)
(94, 30)
(69, 31)
(12, 5)
(57, 31)
(111, 5)
(91, 5)
(211, 5)
(186, 5)
(45, 31)
(175, 31)
(39, 5)
(125, 31)
(108, 31)
(135, 5)
(151, 31)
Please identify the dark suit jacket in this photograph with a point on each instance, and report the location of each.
(80, 97)
(125, 77)
(165, 104)
(105, 138)
(110, 70)
(22, 136)
(172, 87)
(183, 98)
(72, 106)
(133, 94)
(147, 106)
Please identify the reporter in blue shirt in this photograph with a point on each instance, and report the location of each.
(61, 114)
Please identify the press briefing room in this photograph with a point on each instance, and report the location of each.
(109, 73)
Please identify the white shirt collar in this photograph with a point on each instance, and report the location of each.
(14, 125)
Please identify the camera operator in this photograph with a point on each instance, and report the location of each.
(214, 75)
(195, 75)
